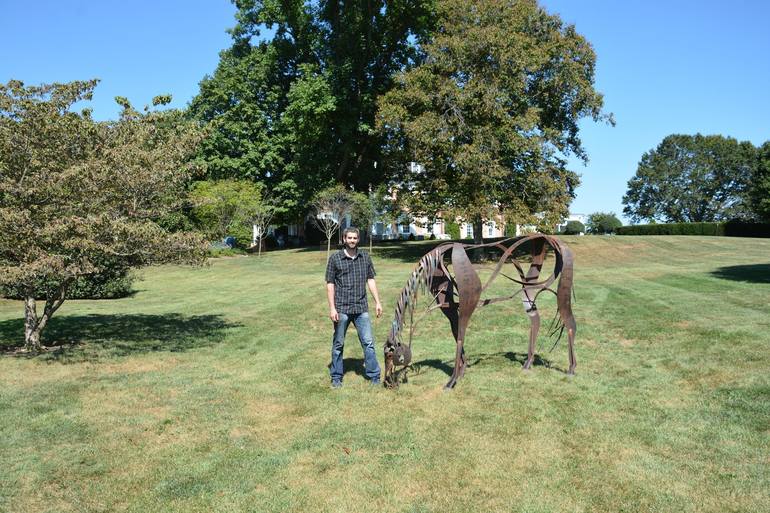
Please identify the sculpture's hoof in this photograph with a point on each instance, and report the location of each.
(571, 374)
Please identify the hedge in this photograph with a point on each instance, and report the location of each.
(740, 229)
(729, 229)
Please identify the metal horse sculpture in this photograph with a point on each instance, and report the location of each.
(458, 296)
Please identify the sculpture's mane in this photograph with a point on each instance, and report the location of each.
(421, 280)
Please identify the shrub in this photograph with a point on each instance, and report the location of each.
(574, 228)
(603, 222)
(242, 235)
(453, 229)
(112, 284)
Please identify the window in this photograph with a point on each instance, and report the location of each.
(491, 226)
(468, 230)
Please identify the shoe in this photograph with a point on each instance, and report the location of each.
(375, 383)
(336, 384)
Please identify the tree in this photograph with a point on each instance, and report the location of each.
(491, 114)
(296, 109)
(78, 197)
(691, 178)
(329, 208)
(760, 184)
(260, 219)
(250, 138)
(603, 222)
(227, 207)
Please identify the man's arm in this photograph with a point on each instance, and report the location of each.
(373, 287)
(333, 315)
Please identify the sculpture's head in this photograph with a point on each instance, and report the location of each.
(396, 355)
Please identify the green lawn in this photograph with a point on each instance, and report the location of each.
(208, 391)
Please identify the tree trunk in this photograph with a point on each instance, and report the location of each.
(34, 325)
(31, 326)
(478, 231)
(478, 254)
(371, 233)
(328, 247)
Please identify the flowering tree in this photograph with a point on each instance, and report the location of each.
(329, 208)
(260, 218)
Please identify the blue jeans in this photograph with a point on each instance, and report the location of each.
(364, 329)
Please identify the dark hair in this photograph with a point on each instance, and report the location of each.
(350, 229)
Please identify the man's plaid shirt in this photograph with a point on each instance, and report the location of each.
(349, 276)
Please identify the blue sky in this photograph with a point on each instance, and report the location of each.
(679, 66)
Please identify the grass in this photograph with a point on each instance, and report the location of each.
(208, 391)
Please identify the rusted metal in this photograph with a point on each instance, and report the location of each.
(458, 294)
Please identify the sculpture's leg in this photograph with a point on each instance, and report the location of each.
(469, 291)
(571, 327)
(451, 311)
(459, 369)
(538, 256)
(454, 319)
(564, 302)
(389, 376)
(534, 328)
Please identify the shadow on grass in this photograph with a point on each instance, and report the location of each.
(448, 366)
(405, 251)
(412, 251)
(538, 361)
(753, 273)
(397, 250)
(354, 365)
(76, 338)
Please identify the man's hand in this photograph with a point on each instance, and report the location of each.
(333, 315)
(373, 288)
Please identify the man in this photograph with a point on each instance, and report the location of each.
(347, 274)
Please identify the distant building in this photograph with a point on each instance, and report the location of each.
(581, 218)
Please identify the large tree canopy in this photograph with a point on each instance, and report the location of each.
(491, 113)
(296, 109)
(692, 178)
(78, 197)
